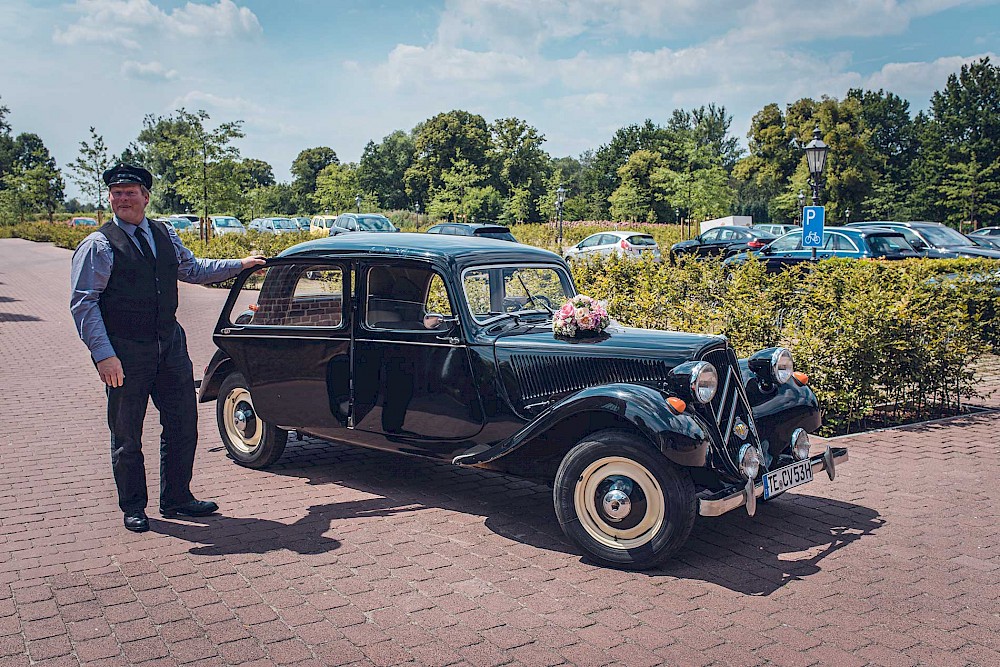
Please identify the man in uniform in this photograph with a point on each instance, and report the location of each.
(124, 280)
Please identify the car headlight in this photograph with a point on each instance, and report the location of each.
(698, 380)
(772, 365)
(750, 461)
(800, 444)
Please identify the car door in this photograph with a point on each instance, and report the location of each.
(707, 242)
(289, 333)
(784, 252)
(413, 384)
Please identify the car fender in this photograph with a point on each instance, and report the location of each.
(218, 368)
(780, 409)
(683, 438)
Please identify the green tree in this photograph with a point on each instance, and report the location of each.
(255, 173)
(382, 170)
(604, 178)
(336, 187)
(893, 142)
(34, 181)
(465, 195)
(519, 165)
(634, 198)
(87, 171)
(306, 167)
(202, 160)
(959, 143)
(970, 191)
(278, 199)
(6, 145)
(440, 143)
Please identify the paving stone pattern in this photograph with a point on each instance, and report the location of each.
(341, 556)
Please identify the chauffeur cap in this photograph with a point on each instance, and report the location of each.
(126, 173)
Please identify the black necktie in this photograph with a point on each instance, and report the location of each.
(144, 248)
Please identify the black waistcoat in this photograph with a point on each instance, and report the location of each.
(140, 300)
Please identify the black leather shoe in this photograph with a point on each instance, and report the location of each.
(190, 508)
(136, 521)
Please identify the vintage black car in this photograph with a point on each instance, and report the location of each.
(443, 347)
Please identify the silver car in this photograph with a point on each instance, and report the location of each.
(604, 244)
(226, 224)
(273, 225)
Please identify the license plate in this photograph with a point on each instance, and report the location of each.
(780, 480)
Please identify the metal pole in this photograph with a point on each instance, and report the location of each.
(814, 182)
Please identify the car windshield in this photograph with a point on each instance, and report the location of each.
(227, 222)
(944, 236)
(373, 223)
(181, 224)
(283, 223)
(497, 291)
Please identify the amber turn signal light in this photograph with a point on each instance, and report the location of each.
(677, 404)
(801, 377)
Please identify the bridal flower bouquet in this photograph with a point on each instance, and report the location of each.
(581, 315)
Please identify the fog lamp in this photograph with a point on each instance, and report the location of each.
(800, 444)
(750, 461)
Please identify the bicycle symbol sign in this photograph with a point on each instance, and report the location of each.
(812, 226)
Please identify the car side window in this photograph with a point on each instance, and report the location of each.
(318, 298)
(792, 241)
(399, 296)
(709, 236)
(590, 241)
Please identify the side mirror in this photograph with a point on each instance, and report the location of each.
(436, 320)
(918, 244)
(766, 250)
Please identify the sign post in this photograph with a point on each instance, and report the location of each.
(813, 218)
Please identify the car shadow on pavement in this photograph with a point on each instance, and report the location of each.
(787, 539)
(219, 534)
(18, 317)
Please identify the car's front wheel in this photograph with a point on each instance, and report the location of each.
(622, 502)
(249, 440)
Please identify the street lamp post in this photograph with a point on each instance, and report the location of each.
(847, 216)
(802, 203)
(560, 199)
(357, 200)
(816, 152)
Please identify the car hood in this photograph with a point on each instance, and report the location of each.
(686, 244)
(535, 364)
(974, 251)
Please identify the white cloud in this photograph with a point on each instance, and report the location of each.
(152, 71)
(918, 80)
(197, 99)
(132, 23)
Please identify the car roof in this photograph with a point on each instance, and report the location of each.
(857, 230)
(459, 251)
(910, 224)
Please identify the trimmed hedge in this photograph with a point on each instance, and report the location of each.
(882, 342)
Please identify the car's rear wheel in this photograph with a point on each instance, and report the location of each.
(622, 502)
(249, 440)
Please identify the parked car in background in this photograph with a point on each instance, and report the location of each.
(934, 239)
(276, 225)
(302, 222)
(83, 222)
(443, 348)
(986, 236)
(361, 222)
(183, 223)
(855, 242)
(320, 225)
(226, 224)
(473, 229)
(774, 228)
(604, 244)
(722, 242)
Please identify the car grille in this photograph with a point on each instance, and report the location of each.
(541, 376)
(729, 407)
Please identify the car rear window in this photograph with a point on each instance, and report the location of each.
(641, 239)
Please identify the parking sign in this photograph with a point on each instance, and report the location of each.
(812, 226)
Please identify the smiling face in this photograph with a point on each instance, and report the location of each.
(128, 201)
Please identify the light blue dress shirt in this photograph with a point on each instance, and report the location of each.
(91, 269)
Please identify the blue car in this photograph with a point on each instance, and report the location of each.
(856, 242)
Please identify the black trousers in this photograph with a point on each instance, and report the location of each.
(161, 370)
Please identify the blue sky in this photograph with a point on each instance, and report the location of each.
(304, 73)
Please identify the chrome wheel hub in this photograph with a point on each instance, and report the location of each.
(617, 505)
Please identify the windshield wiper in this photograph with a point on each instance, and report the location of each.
(531, 299)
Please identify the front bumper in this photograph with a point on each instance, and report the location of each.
(720, 502)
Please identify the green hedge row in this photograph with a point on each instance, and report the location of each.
(882, 342)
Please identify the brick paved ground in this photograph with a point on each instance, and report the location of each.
(342, 556)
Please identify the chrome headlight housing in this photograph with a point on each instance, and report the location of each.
(773, 365)
(696, 380)
(800, 444)
(750, 461)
